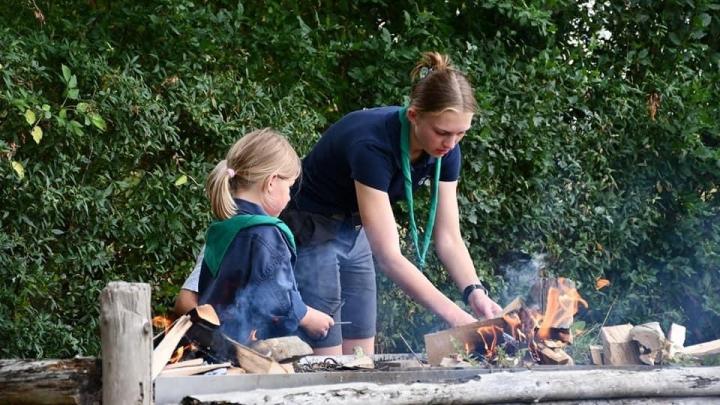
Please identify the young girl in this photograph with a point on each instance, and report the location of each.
(247, 268)
(342, 214)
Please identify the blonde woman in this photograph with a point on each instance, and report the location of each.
(246, 272)
(342, 215)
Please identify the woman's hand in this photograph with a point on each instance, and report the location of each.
(483, 305)
(316, 323)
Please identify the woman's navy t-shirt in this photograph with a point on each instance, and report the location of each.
(364, 146)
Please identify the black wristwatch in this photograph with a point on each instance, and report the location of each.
(469, 289)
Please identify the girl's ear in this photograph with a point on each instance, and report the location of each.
(412, 114)
(269, 182)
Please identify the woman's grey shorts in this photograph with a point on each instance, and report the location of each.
(337, 277)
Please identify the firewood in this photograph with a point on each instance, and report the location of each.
(254, 362)
(618, 348)
(651, 341)
(69, 381)
(186, 363)
(454, 362)
(552, 356)
(703, 349)
(596, 354)
(677, 335)
(283, 349)
(516, 305)
(192, 370)
(165, 349)
(444, 343)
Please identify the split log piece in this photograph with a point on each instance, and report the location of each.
(676, 337)
(444, 343)
(703, 349)
(254, 362)
(192, 370)
(596, 354)
(618, 348)
(553, 356)
(283, 349)
(164, 351)
(186, 363)
(651, 339)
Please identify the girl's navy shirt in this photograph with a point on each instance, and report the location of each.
(255, 285)
(364, 146)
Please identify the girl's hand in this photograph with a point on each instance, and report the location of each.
(316, 323)
(483, 305)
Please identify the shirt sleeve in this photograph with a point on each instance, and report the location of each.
(450, 167)
(371, 165)
(276, 298)
(193, 280)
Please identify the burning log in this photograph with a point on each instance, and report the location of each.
(164, 351)
(444, 343)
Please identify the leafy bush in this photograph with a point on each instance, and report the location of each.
(600, 151)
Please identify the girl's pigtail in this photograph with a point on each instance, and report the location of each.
(218, 190)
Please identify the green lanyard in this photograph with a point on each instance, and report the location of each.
(405, 158)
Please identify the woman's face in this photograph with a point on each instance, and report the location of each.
(438, 133)
(278, 194)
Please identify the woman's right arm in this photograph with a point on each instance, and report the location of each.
(379, 223)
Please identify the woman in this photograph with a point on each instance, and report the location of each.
(342, 216)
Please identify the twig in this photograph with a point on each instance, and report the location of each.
(411, 350)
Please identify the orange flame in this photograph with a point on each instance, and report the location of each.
(177, 355)
(601, 283)
(489, 333)
(513, 321)
(162, 322)
(562, 304)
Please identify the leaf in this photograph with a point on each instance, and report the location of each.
(98, 121)
(30, 117)
(66, 73)
(46, 107)
(19, 169)
(705, 19)
(37, 134)
(674, 38)
(181, 180)
(82, 107)
(72, 83)
(73, 94)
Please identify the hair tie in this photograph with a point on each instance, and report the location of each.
(425, 71)
(230, 172)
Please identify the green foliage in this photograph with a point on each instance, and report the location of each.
(601, 151)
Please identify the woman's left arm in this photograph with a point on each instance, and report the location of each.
(453, 253)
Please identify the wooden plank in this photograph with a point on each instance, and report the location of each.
(445, 343)
(165, 349)
(618, 348)
(186, 363)
(703, 349)
(71, 381)
(596, 354)
(192, 370)
(126, 333)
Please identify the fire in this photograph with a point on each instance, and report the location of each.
(513, 320)
(562, 304)
(253, 335)
(489, 333)
(162, 322)
(601, 283)
(177, 355)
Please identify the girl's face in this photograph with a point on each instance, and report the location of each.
(277, 195)
(438, 133)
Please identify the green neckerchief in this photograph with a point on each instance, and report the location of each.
(221, 233)
(405, 159)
